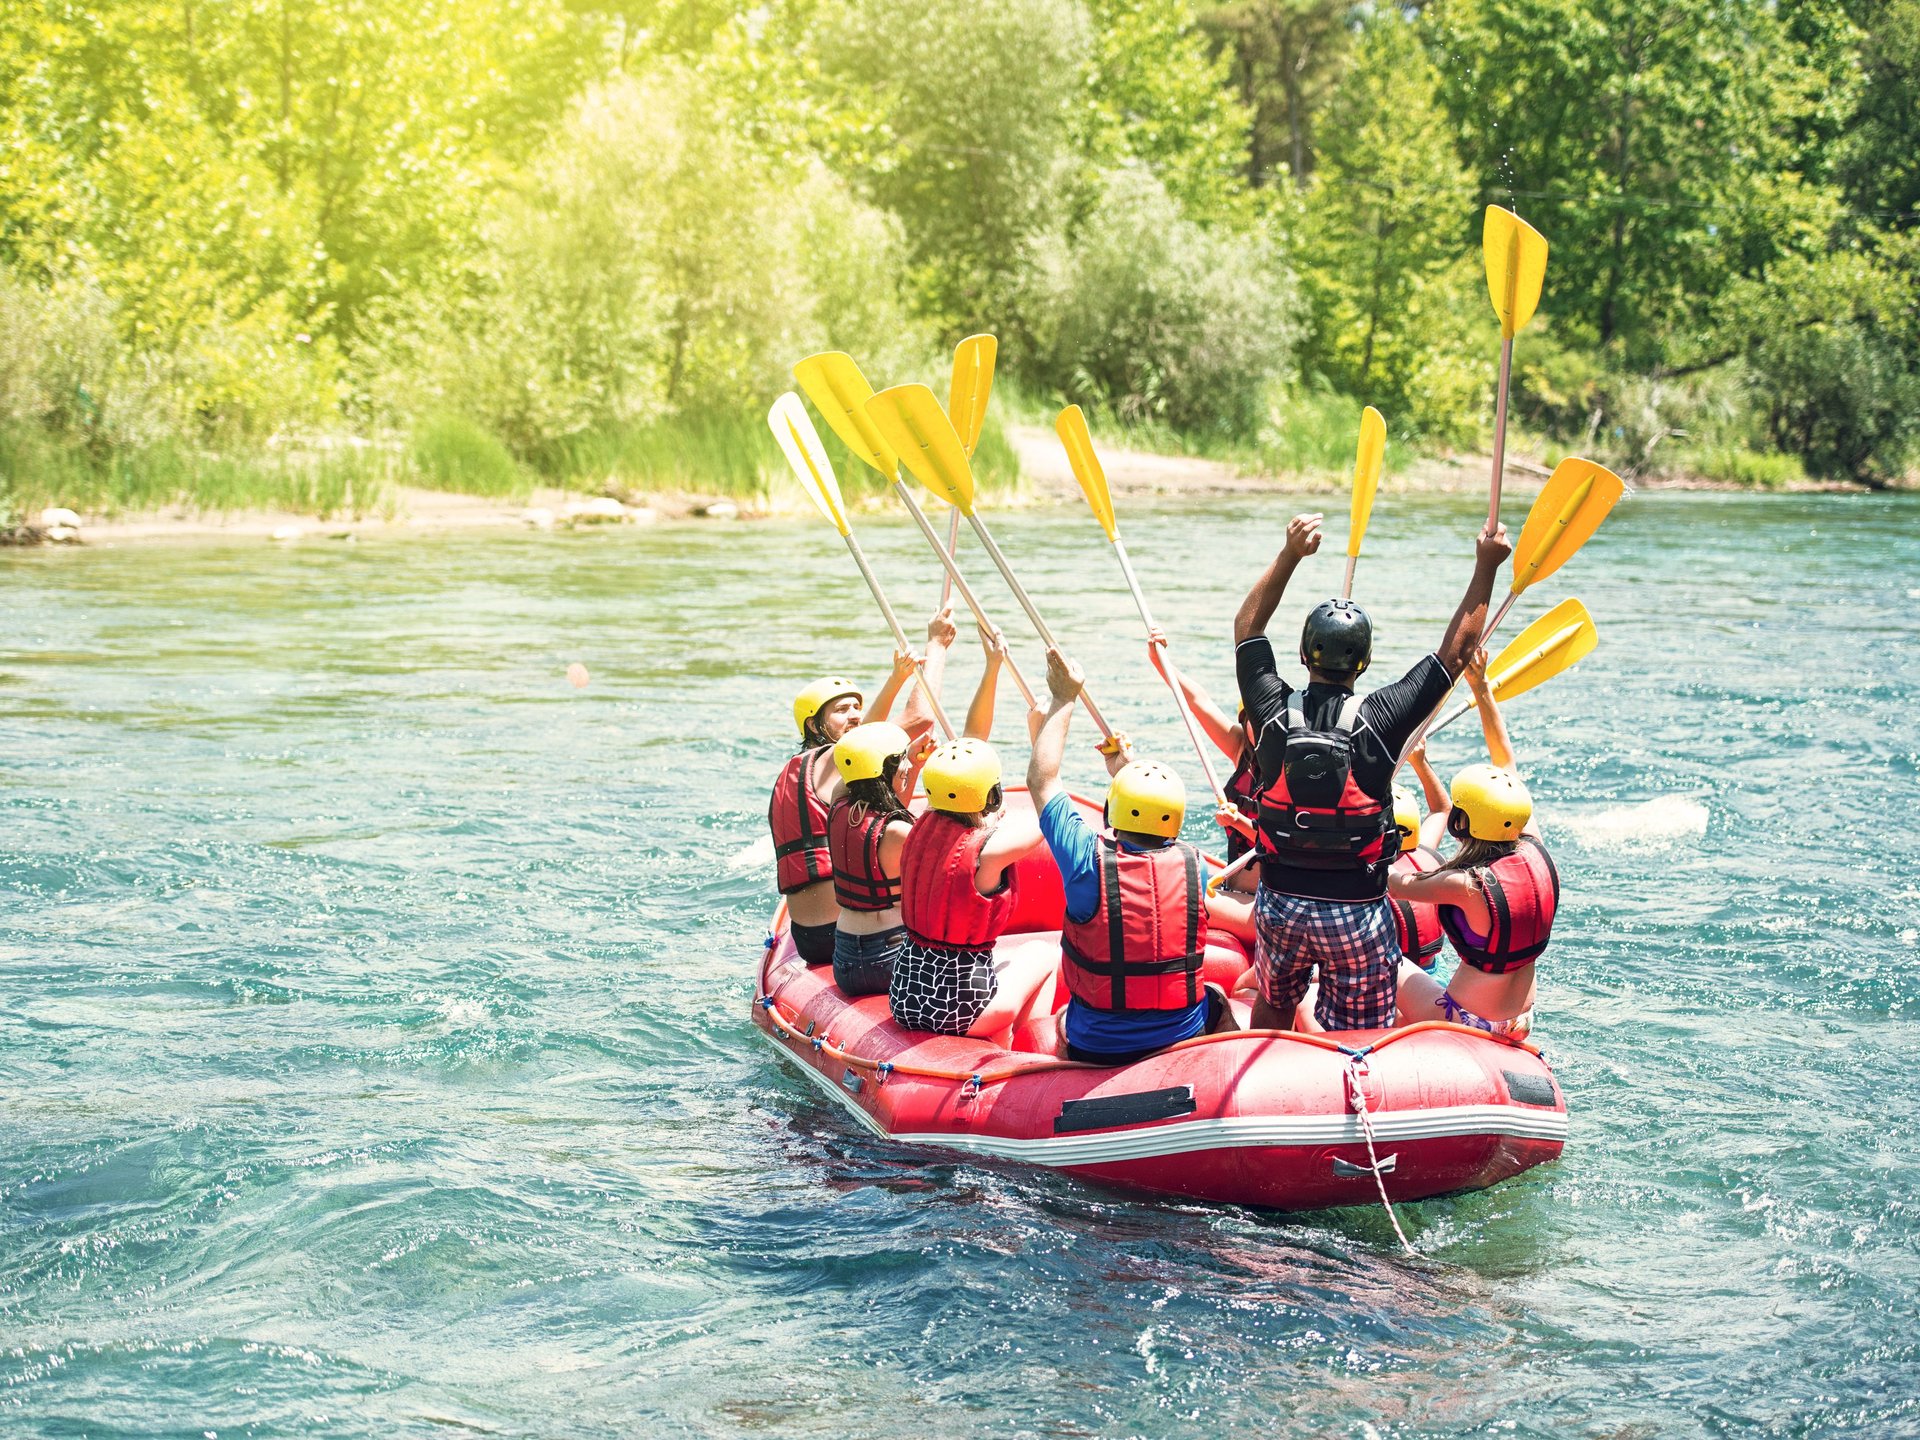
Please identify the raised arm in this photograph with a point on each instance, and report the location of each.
(1435, 793)
(1221, 728)
(882, 705)
(980, 712)
(1492, 723)
(940, 636)
(1469, 622)
(1439, 803)
(1050, 740)
(1303, 538)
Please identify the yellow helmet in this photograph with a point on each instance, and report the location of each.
(1148, 798)
(1406, 814)
(820, 694)
(862, 753)
(960, 776)
(1489, 804)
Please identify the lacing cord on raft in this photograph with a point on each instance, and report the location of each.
(1355, 1072)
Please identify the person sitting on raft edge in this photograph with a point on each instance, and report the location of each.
(1231, 909)
(867, 830)
(956, 898)
(1496, 897)
(1135, 936)
(1326, 759)
(808, 784)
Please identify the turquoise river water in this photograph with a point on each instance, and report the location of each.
(374, 1051)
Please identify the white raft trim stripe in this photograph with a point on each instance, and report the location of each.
(1185, 1137)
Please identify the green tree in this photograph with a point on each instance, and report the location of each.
(978, 99)
(1384, 257)
(1152, 315)
(652, 264)
(1878, 153)
(1653, 142)
(1284, 58)
(1155, 93)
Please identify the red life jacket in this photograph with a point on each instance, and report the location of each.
(1522, 892)
(1243, 792)
(1351, 833)
(799, 824)
(859, 882)
(939, 899)
(1418, 921)
(1143, 948)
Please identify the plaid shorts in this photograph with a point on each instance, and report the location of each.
(1354, 944)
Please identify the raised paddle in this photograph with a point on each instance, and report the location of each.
(1557, 641)
(1576, 498)
(1569, 508)
(800, 442)
(1516, 256)
(834, 383)
(1367, 459)
(967, 396)
(919, 432)
(1071, 427)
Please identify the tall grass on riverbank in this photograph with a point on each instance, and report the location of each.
(726, 455)
(37, 471)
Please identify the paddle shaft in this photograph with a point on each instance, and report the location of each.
(1346, 586)
(899, 635)
(959, 581)
(1033, 615)
(1500, 433)
(1172, 675)
(1227, 872)
(953, 546)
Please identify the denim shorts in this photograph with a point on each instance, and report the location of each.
(863, 964)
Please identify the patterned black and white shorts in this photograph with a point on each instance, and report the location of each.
(939, 987)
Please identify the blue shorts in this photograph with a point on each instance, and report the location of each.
(863, 964)
(1353, 942)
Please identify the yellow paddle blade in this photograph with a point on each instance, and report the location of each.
(1071, 427)
(916, 429)
(1516, 266)
(1366, 476)
(1575, 501)
(1557, 641)
(800, 443)
(834, 383)
(973, 361)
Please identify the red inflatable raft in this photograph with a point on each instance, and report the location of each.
(1266, 1118)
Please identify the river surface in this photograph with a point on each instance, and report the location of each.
(374, 1051)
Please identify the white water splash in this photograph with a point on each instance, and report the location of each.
(751, 857)
(1660, 824)
(463, 1014)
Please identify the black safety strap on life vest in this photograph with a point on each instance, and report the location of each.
(809, 839)
(1116, 967)
(1502, 914)
(874, 889)
(1410, 926)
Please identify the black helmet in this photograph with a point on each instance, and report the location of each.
(1337, 638)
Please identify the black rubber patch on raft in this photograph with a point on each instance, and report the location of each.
(1529, 1089)
(1135, 1109)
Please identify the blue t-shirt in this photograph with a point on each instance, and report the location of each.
(1076, 850)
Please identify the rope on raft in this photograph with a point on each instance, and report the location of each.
(1357, 1095)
